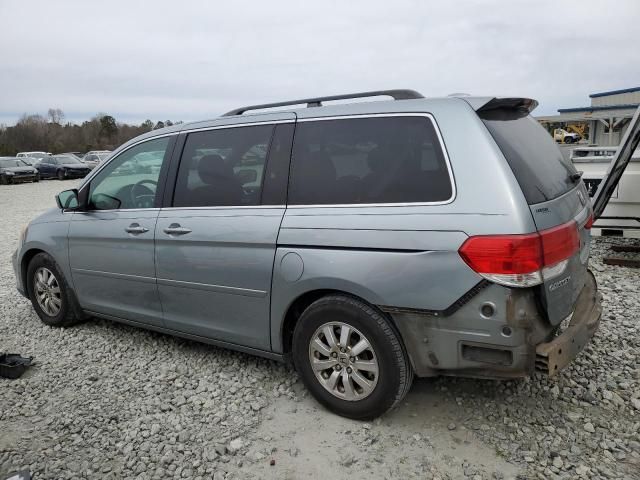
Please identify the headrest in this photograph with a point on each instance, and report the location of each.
(212, 168)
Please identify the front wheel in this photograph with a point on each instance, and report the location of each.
(49, 293)
(350, 357)
(568, 139)
(60, 175)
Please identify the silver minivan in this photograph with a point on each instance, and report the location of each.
(368, 242)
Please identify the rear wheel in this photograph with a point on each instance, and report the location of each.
(49, 292)
(36, 178)
(60, 175)
(350, 357)
(3, 180)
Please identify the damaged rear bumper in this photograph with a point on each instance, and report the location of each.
(515, 340)
(553, 356)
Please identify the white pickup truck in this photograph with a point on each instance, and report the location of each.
(622, 213)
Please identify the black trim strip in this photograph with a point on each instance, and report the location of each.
(351, 249)
(450, 310)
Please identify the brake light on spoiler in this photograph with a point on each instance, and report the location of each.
(522, 260)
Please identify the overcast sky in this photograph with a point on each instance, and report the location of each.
(188, 60)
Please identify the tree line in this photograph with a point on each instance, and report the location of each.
(53, 134)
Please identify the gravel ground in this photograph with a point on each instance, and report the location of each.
(110, 401)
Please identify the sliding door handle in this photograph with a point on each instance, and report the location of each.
(136, 229)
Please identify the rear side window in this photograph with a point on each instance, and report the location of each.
(223, 167)
(368, 160)
(533, 156)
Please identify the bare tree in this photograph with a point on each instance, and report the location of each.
(55, 115)
(35, 132)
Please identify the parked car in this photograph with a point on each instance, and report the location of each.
(14, 170)
(95, 152)
(76, 155)
(622, 214)
(38, 155)
(95, 159)
(29, 160)
(369, 252)
(62, 167)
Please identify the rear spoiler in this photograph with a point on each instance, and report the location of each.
(617, 166)
(488, 104)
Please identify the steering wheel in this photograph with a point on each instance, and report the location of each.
(145, 197)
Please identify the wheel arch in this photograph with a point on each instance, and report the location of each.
(301, 302)
(26, 259)
(24, 264)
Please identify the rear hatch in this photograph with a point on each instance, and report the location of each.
(556, 196)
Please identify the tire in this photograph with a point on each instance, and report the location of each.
(385, 388)
(36, 179)
(3, 180)
(65, 315)
(568, 139)
(60, 175)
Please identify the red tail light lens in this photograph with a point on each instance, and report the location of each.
(503, 253)
(589, 223)
(559, 243)
(521, 260)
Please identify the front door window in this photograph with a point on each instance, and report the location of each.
(131, 179)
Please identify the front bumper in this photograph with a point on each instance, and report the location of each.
(76, 173)
(21, 178)
(553, 356)
(18, 274)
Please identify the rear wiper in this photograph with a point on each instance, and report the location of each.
(575, 177)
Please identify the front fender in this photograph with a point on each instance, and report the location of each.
(48, 237)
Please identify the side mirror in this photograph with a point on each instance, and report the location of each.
(68, 200)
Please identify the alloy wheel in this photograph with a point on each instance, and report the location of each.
(343, 361)
(47, 290)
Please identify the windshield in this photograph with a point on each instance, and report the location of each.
(103, 156)
(66, 159)
(11, 162)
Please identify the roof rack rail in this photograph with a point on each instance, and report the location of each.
(317, 101)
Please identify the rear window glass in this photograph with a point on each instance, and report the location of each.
(534, 158)
(368, 160)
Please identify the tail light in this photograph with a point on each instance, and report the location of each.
(590, 221)
(522, 260)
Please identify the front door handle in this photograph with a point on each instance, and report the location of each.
(176, 229)
(136, 229)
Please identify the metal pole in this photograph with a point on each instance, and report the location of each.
(618, 164)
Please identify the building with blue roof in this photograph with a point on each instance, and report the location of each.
(607, 117)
